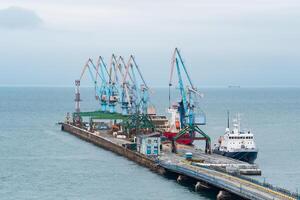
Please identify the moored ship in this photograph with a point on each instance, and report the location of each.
(236, 143)
(170, 127)
(175, 127)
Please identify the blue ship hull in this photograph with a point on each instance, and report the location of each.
(246, 156)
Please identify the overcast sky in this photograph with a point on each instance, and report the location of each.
(233, 42)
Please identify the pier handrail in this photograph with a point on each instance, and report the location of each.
(263, 184)
(249, 194)
(272, 190)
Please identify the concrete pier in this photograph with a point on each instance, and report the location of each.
(114, 145)
(204, 175)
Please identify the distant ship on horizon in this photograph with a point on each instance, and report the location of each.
(234, 86)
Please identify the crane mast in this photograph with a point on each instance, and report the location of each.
(140, 88)
(126, 99)
(189, 118)
(103, 88)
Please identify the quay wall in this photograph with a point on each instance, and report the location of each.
(231, 186)
(118, 149)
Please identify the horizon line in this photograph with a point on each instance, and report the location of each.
(158, 87)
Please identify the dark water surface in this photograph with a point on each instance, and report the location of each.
(38, 161)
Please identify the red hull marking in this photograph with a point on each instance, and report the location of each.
(185, 139)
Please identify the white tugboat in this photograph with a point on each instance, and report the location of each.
(236, 143)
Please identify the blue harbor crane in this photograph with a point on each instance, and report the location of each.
(139, 87)
(101, 92)
(76, 116)
(190, 113)
(137, 94)
(125, 87)
(120, 84)
(94, 77)
(117, 85)
(103, 89)
(113, 91)
(111, 86)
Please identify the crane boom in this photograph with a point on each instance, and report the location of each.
(84, 68)
(139, 71)
(184, 68)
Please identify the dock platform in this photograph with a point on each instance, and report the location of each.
(235, 185)
(208, 172)
(211, 160)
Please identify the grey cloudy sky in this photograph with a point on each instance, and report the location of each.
(248, 43)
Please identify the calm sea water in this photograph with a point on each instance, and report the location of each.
(38, 161)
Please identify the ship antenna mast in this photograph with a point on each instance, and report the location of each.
(228, 119)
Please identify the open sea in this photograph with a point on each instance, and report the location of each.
(38, 161)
